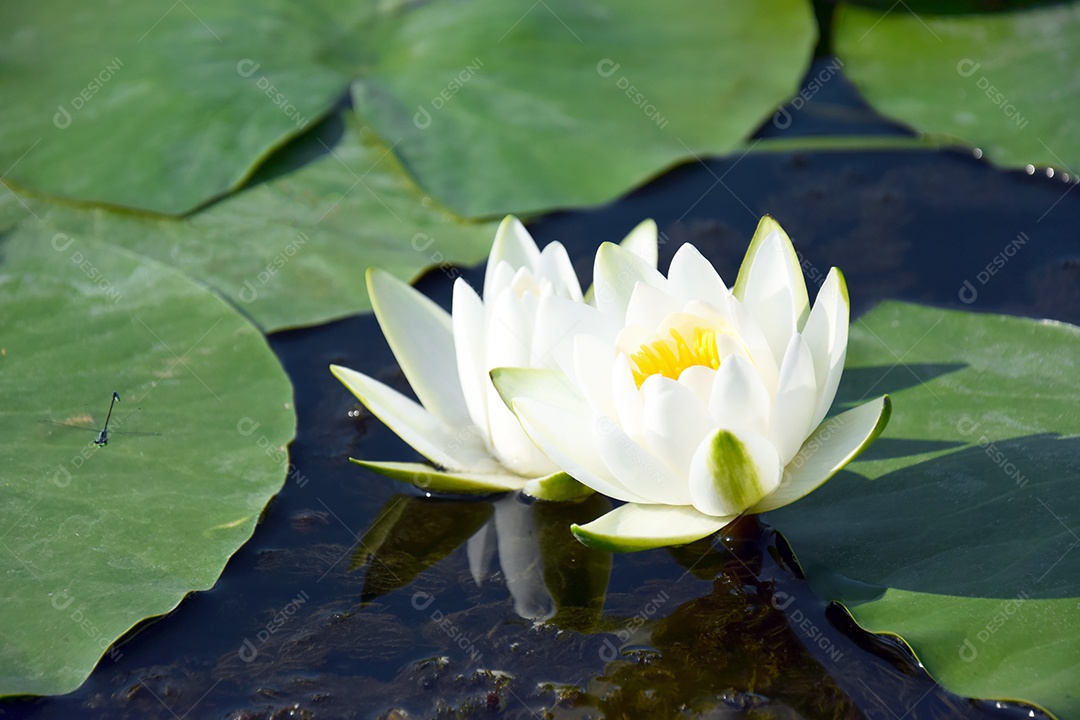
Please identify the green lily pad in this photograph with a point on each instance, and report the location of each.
(1003, 82)
(959, 531)
(97, 538)
(501, 107)
(292, 249)
(160, 106)
(12, 209)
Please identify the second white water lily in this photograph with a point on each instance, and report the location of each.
(692, 402)
(460, 424)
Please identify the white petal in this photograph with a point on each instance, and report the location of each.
(796, 400)
(730, 473)
(771, 286)
(469, 341)
(628, 403)
(699, 380)
(636, 468)
(459, 449)
(512, 444)
(513, 245)
(421, 335)
(832, 446)
(497, 281)
(642, 527)
(593, 361)
(649, 306)
(692, 277)
(642, 242)
(615, 272)
(676, 421)
(555, 266)
(757, 345)
(509, 332)
(558, 321)
(565, 435)
(551, 387)
(826, 334)
(739, 399)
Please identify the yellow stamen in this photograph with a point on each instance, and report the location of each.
(669, 357)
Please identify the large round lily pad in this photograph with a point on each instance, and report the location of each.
(94, 538)
(159, 105)
(503, 107)
(292, 249)
(959, 529)
(1003, 82)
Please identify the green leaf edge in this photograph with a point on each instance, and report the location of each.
(430, 479)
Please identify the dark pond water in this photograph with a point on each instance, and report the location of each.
(316, 617)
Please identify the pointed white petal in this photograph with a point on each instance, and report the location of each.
(739, 399)
(731, 473)
(649, 306)
(796, 400)
(615, 272)
(513, 245)
(555, 267)
(559, 321)
(509, 331)
(643, 527)
(421, 335)
(699, 379)
(637, 469)
(459, 449)
(593, 361)
(771, 285)
(692, 277)
(826, 334)
(832, 446)
(512, 444)
(469, 341)
(676, 421)
(497, 281)
(551, 387)
(430, 479)
(565, 436)
(767, 366)
(642, 242)
(628, 403)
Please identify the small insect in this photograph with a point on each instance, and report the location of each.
(103, 434)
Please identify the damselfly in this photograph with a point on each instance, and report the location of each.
(102, 438)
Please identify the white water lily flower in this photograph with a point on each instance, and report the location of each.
(692, 402)
(460, 424)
